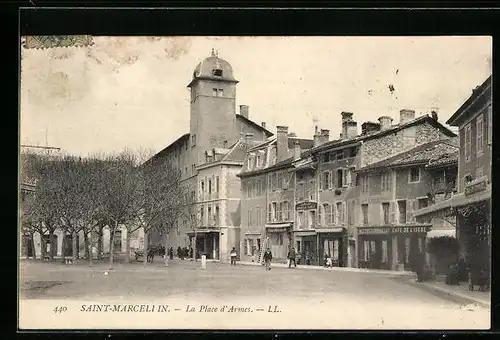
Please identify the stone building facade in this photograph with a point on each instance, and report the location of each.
(269, 190)
(214, 125)
(472, 203)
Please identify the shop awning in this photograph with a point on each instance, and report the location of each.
(330, 230)
(304, 232)
(203, 231)
(279, 225)
(456, 201)
(253, 233)
(441, 232)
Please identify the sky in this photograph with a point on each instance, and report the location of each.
(130, 92)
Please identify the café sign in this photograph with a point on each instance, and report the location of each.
(406, 230)
(374, 231)
(393, 230)
(475, 187)
(306, 206)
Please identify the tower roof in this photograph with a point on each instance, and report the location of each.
(214, 68)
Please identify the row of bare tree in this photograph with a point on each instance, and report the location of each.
(86, 195)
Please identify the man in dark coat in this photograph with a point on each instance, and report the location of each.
(179, 252)
(171, 253)
(268, 256)
(418, 264)
(291, 258)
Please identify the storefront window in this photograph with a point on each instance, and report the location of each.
(366, 250)
(384, 251)
(407, 249)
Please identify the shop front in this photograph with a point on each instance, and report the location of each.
(474, 237)
(306, 246)
(252, 244)
(333, 243)
(390, 247)
(207, 243)
(280, 239)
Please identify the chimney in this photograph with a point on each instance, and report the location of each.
(349, 126)
(434, 113)
(248, 136)
(296, 151)
(385, 122)
(368, 128)
(406, 115)
(325, 135)
(244, 111)
(281, 143)
(263, 124)
(317, 138)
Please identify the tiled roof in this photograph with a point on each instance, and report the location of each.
(443, 160)
(305, 144)
(254, 124)
(421, 154)
(394, 128)
(238, 151)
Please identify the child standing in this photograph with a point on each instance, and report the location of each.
(233, 255)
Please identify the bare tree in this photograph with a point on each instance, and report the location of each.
(117, 187)
(158, 203)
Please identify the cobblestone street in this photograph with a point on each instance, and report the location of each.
(308, 298)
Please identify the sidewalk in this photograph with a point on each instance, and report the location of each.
(459, 292)
(342, 269)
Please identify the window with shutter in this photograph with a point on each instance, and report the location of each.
(321, 215)
(409, 211)
(468, 138)
(479, 134)
(393, 212)
(269, 213)
(330, 186)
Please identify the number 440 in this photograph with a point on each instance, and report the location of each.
(60, 309)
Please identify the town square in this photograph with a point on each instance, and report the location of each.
(314, 187)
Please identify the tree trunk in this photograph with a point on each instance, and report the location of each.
(75, 245)
(51, 242)
(63, 250)
(127, 247)
(195, 245)
(112, 244)
(99, 242)
(146, 240)
(166, 250)
(91, 255)
(86, 242)
(44, 246)
(32, 240)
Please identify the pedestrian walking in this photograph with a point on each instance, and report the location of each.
(328, 261)
(291, 258)
(233, 255)
(171, 253)
(268, 256)
(191, 252)
(179, 252)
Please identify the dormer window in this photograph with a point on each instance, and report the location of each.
(217, 72)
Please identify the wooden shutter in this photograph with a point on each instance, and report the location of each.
(409, 211)
(332, 179)
(393, 212)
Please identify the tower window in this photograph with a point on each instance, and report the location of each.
(217, 72)
(217, 92)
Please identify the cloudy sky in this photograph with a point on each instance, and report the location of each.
(130, 92)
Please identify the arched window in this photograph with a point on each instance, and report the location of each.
(217, 72)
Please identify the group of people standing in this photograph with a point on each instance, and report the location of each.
(183, 252)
